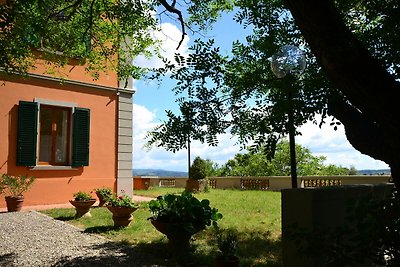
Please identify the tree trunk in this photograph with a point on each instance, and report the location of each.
(370, 110)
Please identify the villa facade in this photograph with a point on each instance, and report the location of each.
(70, 132)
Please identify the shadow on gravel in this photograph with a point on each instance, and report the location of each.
(7, 259)
(118, 254)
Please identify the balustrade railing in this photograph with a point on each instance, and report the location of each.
(270, 182)
(254, 184)
(320, 182)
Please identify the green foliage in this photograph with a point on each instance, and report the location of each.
(212, 168)
(258, 228)
(95, 31)
(82, 196)
(258, 164)
(198, 169)
(105, 192)
(14, 186)
(121, 201)
(241, 95)
(184, 208)
(203, 13)
(200, 76)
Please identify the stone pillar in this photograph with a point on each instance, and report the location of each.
(308, 209)
(124, 168)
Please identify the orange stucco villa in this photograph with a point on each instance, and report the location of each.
(72, 133)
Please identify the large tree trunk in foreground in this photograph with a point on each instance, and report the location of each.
(370, 113)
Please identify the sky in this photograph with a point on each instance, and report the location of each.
(151, 100)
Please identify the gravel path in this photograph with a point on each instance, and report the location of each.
(34, 239)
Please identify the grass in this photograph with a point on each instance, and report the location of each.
(255, 215)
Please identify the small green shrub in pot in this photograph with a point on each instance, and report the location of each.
(104, 194)
(82, 196)
(181, 216)
(197, 175)
(2, 186)
(15, 186)
(121, 201)
(121, 208)
(198, 170)
(82, 202)
(186, 209)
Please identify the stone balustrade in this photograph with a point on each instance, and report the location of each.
(262, 183)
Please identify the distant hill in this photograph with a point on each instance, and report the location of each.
(158, 172)
(374, 172)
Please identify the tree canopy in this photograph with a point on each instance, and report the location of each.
(257, 164)
(352, 50)
(352, 71)
(104, 34)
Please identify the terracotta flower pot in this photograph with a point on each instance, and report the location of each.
(122, 216)
(82, 207)
(14, 203)
(178, 237)
(195, 186)
(102, 201)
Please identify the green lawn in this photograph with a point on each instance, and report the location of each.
(256, 215)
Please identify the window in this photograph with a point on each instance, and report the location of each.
(52, 135)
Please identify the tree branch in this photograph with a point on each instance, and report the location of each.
(73, 5)
(349, 65)
(171, 8)
(366, 136)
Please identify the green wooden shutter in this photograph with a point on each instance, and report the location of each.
(80, 137)
(27, 133)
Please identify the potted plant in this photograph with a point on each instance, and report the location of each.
(227, 244)
(104, 194)
(82, 202)
(197, 175)
(14, 187)
(121, 208)
(181, 216)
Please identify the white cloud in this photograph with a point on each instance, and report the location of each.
(325, 141)
(159, 158)
(169, 37)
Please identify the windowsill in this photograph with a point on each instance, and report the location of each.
(53, 168)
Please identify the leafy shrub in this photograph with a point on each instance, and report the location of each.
(104, 192)
(15, 185)
(198, 170)
(82, 196)
(186, 209)
(121, 201)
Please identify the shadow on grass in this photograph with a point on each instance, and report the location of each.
(65, 218)
(101, 229)
(259, 249)
(254, 248)
(118, 254)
